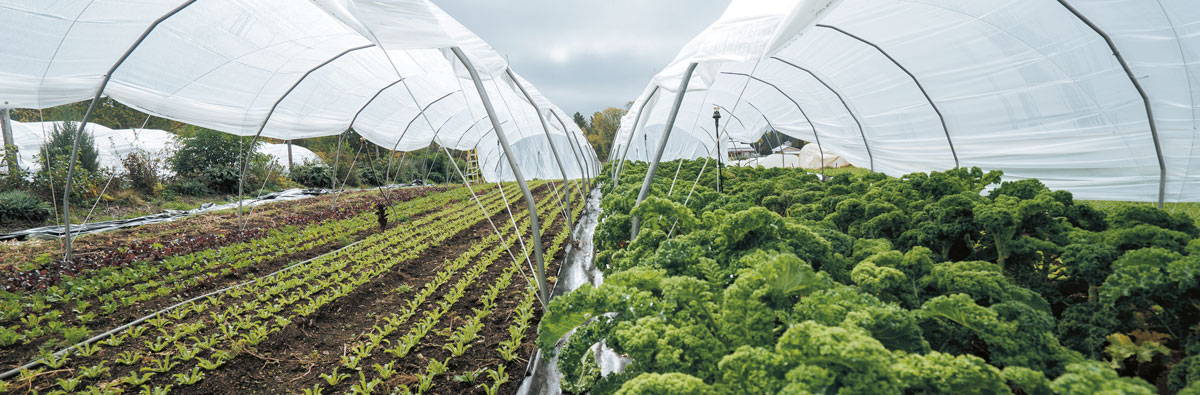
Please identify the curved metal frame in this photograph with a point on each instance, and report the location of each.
(584, 168)
(540, 267)
(372, 100)
(1162, 164)
(67, 250)
(267, 119)
(635, 222)
(553, 148)
(916, 81)
(409, 125)
(867, 146)
(816, 136)
(770, 125)
(629, 141)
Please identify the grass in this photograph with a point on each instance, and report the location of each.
(1191, 209)
(1110, 207)
(841, 170)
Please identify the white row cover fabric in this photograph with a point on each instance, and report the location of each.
(808, 157)
(112, 146)
(294, 69)
(1023, 86)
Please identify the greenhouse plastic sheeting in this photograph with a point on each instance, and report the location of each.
(114, 145)
(293, 69)
(1026, 87)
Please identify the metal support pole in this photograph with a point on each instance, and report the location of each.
(289, 146)
(267, 119)
(1162, 164)
(635, 222)
(782, 157)
(351, 126)
(553, 149)
(920, 87)
(720, 154)
(67, 252)
(870, 156)
(372, 100)
(816, 136)
(629, 142)
(337, 157)
(580, 157)
(540, 272)
(388, 172)
(10, 153)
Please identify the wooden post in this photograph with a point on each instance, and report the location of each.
(9, 144)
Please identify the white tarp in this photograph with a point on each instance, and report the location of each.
(294, 69)
(1023, 86)
(809, 157)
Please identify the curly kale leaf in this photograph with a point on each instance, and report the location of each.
(940, 373)
(748, 308)
(857, 362)
(665, 384)
(1094, 377)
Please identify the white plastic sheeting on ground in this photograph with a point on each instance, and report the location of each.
(290, 69)
(114, 145)
(1023, 86)
(808, 157)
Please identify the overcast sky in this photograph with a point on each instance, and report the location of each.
(586, 55)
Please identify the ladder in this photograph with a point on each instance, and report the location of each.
(473, 174)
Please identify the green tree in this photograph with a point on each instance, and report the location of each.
(580, 121)
(62, 138)
(603, 129)
(108, 112)
(213, 156)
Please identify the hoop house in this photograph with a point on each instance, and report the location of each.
(1098, 98)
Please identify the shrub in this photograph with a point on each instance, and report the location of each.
(263, 174)
(62, 138)
(311, 174)
(372, 175)
(216, 158)
(189, 187)
(142, 171)
(49, 182)
(21, 206)
(11, 180)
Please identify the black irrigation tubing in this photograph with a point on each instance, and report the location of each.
(110, 332)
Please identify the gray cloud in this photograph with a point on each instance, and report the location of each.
(586, 55)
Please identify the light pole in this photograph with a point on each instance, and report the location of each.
(717, 129)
